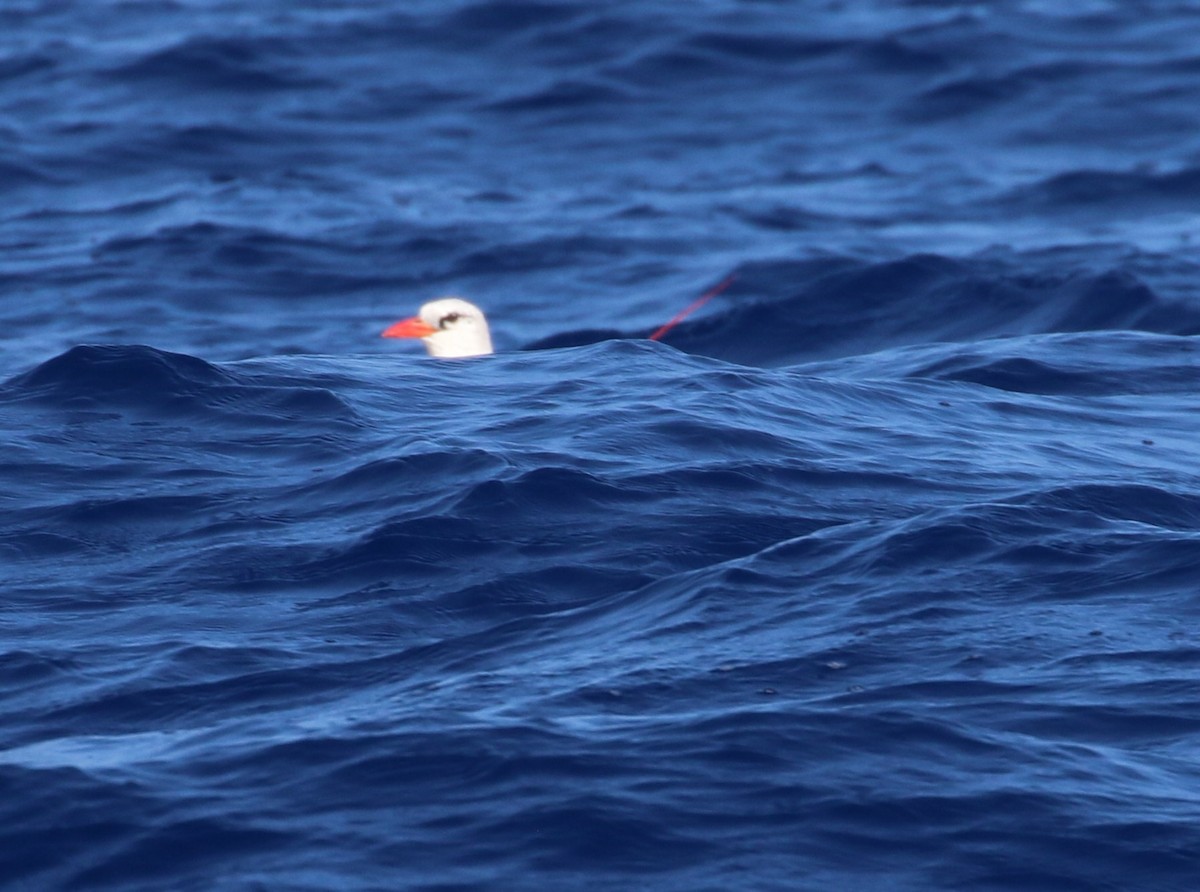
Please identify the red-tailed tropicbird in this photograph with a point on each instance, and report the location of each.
(451, 327)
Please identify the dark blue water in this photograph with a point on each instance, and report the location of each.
(881, 573)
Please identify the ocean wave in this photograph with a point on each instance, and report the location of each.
(1130, 190)
(210, 63)
(801, 311)
(879, 571)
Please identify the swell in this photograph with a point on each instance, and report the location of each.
(659, 599)
(167, 384)
(246, 64)
(785, 312)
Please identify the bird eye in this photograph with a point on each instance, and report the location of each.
(447, 319)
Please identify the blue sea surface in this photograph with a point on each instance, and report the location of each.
(881, 571)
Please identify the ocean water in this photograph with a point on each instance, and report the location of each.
(880, 572)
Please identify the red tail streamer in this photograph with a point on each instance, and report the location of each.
(694, 306)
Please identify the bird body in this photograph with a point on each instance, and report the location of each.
(451, 327)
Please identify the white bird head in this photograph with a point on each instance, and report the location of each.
(450, 327)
